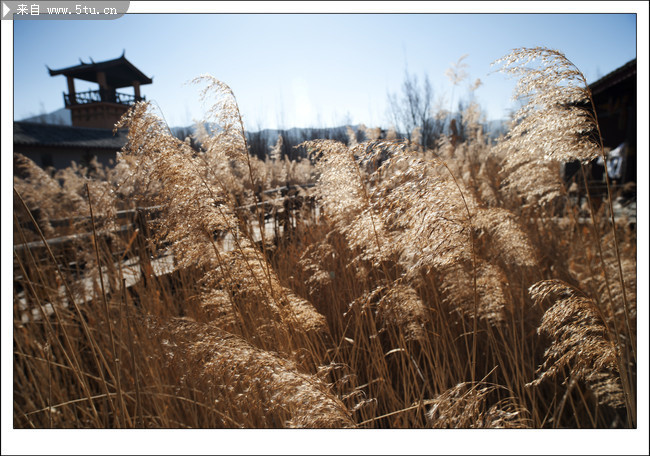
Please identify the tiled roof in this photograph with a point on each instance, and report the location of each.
(30, 133)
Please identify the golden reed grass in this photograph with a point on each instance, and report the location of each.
(444, 287)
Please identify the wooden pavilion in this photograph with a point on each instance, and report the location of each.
(103, 107)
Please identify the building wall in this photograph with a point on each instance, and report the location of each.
(616, 108)
(60, 158)
(97, 115)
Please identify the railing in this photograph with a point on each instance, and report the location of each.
(98, 96)
(281, 210)
(137, 259)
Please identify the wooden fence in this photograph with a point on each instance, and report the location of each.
(281, 208)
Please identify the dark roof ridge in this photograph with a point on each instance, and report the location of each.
(44, 124)
(34, 133)
(83, 66)
(613, 77)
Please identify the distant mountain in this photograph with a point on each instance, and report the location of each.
(494, 128)
(59, 117)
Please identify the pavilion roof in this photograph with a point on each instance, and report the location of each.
(119, 72)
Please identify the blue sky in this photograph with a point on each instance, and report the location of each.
(310, 69)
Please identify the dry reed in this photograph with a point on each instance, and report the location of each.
(430, 288)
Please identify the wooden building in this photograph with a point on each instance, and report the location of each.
(615, 100)
(103, 107)
(94, 114)
(58, 146)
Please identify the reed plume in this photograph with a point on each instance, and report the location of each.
(396, 309)
(555, 123)
(457, 284)
(581, 341)
(466, 406)
(198, 212)
(247, 386)
(507, 241)
(40, 190)
(344, 192)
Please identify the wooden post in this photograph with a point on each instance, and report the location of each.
(106, 93)
(101, 79)
(72, 96)
(136, 90)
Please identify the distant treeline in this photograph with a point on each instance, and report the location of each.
(261, 142)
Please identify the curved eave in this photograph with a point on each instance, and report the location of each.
(88, 72)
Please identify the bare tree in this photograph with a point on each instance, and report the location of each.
(411, 110)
